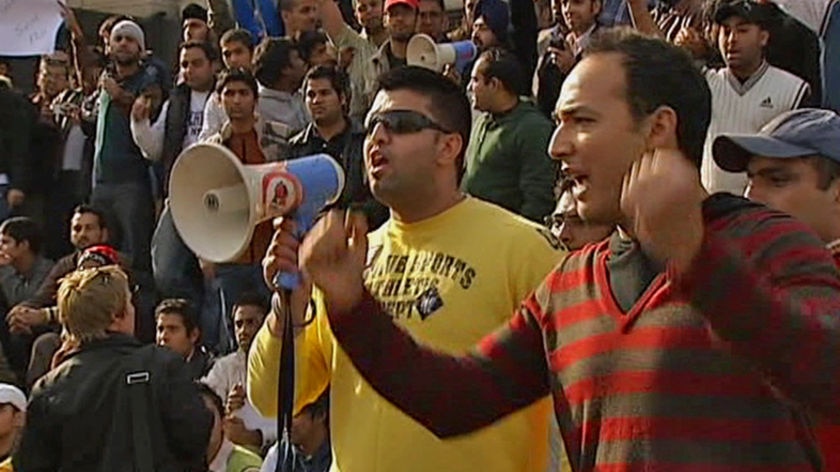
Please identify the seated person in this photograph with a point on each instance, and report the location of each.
(223, 455)
(310, 439)
(178, 330)
(244, 426)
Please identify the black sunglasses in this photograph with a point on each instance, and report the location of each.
(402, 122)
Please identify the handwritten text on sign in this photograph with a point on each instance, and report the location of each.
(28, 27)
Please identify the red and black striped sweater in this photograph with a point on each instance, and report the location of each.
(711, 370)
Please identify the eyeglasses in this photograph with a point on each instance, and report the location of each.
(402, 122)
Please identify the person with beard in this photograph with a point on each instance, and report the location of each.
(121, 178)
(87, 228)
(368, 62)
(333, 132)
(511, 26)
(701, 336)
(369, 15)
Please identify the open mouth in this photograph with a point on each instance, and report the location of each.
(378, 163)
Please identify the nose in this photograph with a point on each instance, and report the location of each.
(560, 146)
(754, 193)
(379, 133)
(565, 235)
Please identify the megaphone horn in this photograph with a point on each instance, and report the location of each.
(216, 201)
(424, 52)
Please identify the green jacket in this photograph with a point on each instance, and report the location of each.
(243, 460)
(508, 164)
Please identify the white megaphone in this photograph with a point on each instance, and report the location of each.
(216, 201)
(424, 52)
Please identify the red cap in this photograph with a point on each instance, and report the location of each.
(415, 4)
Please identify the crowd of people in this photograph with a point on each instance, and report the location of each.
(609, 242)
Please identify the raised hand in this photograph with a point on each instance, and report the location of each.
(235, 399)
(141, 108)
(333, 255)
(662, 199)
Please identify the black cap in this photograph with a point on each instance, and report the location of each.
(194, 11)
(750, 11)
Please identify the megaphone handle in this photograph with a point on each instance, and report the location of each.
(291, 280)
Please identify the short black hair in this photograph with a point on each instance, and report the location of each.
(252, 298)
(448, 103)
(238, 35)
(337, 77)
(320, 407)
(286, 5)
(660, 74)
(308, 40)
(194, 11)
(271, 56)
(88, 209)
(441, 5)
(205, 391)
(22, 228)
(209, 51)
(237, 75)
(180, 307)
(505, 66)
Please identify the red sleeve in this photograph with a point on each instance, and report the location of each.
(449, 395)
(774, 294)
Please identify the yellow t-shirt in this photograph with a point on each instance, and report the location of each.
(450, 280)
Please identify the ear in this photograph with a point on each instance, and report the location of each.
(284, 15)
(449, 147)
(19, 419)
(194, 335)
(662, 129)
(105, 235)
(765, 37)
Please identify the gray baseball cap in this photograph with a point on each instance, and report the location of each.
(798, 133)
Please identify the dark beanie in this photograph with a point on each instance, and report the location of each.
(496, 15)
(194, 11)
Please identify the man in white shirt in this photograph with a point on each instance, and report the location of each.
(244, 426)
(748, 92)
(175, 268)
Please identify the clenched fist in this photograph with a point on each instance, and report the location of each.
(662, 197)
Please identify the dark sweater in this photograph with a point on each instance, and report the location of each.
(508, 162)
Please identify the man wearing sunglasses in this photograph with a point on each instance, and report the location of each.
(442, 254)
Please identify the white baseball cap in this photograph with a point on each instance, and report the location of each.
(12, 395)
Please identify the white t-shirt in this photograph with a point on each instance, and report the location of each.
(198, 100)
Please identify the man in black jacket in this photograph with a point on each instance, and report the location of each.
(112, 402)
(175, 268)
(333, 132)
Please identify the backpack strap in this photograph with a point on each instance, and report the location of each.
(138, 382)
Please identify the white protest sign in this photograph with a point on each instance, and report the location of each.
(28, 27)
